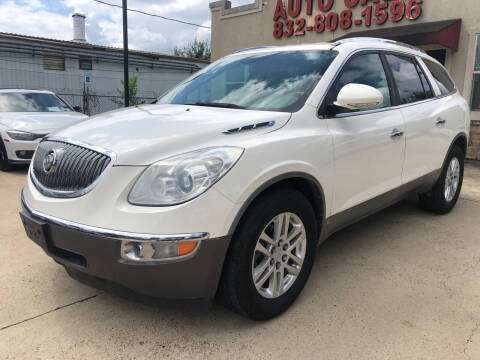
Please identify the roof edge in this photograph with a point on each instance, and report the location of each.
(69, 43)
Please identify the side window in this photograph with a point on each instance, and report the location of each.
(409, 84)
(426, 85)
(444, 81)
(364, 69)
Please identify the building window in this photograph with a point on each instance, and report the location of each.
(85, 64)
(476, 79)
(439, 55)
(54, 63)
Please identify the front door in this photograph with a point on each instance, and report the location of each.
(369, 146)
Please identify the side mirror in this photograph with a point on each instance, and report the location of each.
(77, 108)
(359, 97)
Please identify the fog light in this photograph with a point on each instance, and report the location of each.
(132, 250)
(156, 250)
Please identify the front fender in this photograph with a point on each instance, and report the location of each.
(305, 155)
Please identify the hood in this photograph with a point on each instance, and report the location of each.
(143, 135)
(41, 122)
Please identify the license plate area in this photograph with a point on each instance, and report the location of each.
(35, 230)
(38, 232)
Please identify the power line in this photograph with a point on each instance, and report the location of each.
(153, 15)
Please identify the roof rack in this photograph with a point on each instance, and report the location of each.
(252, 48)
(371, 39)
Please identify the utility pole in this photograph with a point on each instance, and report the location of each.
(125, 53)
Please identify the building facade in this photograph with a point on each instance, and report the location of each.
(446, 29)
(84, 74)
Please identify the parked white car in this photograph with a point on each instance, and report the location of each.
(227, 185)
(27, 116)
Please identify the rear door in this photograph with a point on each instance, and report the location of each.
(368, 145)
(449, 117)
(420, 111)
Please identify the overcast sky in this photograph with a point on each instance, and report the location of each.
(52, 19)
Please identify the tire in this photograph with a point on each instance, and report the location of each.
(439, 200)
(237, 287)
(4, 163)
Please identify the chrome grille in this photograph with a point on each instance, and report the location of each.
(74, 170)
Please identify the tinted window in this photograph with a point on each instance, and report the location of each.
(445, 83)
(273, 81)
(366, 70)
(426, 85)
(31, 102)
(406, 77)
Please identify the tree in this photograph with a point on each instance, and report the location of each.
(132, 91)
(196, 49)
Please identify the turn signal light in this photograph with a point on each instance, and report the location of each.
(185, 248)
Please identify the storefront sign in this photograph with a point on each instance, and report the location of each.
(287, 22)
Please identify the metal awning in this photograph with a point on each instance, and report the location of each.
(444, 33)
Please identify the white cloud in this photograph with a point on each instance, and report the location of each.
(30, 18)
(36, 4)
(52, 19)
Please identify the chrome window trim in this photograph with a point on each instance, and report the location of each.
(373, 111)
(366, 112)
(113, 234)
(77, 193)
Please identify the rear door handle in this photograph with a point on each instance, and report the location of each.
(396, 133)
(440, 121)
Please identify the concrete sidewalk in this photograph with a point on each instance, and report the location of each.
(403, 284)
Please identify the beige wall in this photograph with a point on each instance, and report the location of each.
(252, 25)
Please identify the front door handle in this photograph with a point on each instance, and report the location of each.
(440, 121)
(396, 133)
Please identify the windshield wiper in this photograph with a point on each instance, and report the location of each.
(220, 105)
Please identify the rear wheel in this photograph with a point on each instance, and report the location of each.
(271, 255)
(446, 191)
(4, 163)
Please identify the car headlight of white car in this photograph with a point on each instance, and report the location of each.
(182, 178)
(23, 135)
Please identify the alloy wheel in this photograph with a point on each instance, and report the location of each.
(279, 254)
(452, 179)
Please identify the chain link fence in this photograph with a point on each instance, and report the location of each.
(93, 104)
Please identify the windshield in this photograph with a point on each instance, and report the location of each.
(31, 102)
(272, 81)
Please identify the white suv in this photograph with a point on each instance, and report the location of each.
(229, 183)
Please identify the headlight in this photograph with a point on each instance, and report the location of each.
(23, 135)
(181, 178)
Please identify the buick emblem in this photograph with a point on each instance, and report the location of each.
(50, 161)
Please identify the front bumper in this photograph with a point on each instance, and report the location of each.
(20, 151)
(96, 252)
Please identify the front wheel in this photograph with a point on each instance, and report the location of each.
(4, 163)
(447, 190)
(271, 255)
